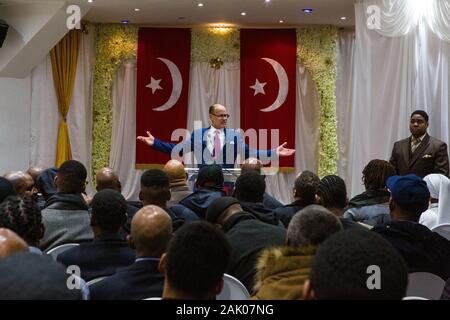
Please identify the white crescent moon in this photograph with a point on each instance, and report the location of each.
(177, 85)
(283, 82)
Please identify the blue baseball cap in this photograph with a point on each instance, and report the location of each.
(410, 192)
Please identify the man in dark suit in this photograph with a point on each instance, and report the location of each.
(215, 144)
(108, 252)
(420, 154)
(151, 229)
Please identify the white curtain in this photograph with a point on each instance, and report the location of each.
(401, 67)
(45, 114)
(208, 86)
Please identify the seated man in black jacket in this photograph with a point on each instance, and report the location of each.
(108, 251)
(422, 249)
(151, 230)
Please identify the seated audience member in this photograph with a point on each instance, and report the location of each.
(45, 185)
(195, 261)
(179, 188)
(106, 178)
(151, 230)
(247, 236)
(372, 206)
(10, 243)
(28, 276)
(356, 265)
(208, 187)
(155, 191)
(108, 251)
(305, 190)
(34, 172)
(66, 217)
(282, 271)
(422, 249)
(332, 194)
(249, 190)
(23, 216)
(23, 184)
(254, 164)
(439, 210)
(6, 189)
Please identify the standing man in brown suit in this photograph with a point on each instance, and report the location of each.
(420, 154)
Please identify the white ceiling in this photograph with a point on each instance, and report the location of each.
(187, 13)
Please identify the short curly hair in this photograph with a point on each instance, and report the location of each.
(23, 216)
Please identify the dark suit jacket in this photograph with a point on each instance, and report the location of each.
(234, 144)
(431, 156)
(99, 258)
(139, 281)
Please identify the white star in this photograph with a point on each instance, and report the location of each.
(154, 85)
(258, 87)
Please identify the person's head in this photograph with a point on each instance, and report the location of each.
(210, 176)
(151, 230)
(418, 123)
(375, 174)
(23, 216)
(311, 226)
(46, 182)
(23, 183)
(357, 265)
(196, 259)
(218, 116)
(176, 173)
(34, 172)
(11, 243)
(6, 189)
(409, 197)
(155, 188)
(250, 187)
(221, 209)
(109, 212)
(71, 177)
(106, 178)
(251, 164)
(332, 194)
(306, 186)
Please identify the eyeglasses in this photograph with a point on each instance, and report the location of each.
(225, 116)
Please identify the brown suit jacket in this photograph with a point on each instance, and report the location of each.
(431, 156)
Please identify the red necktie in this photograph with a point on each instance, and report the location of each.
(217, 144)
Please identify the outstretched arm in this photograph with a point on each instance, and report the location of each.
(165, 147)
(284, 152)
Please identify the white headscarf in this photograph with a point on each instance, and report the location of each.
(439, 186)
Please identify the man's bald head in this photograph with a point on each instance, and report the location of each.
(177, 174)
(151, 230)
(106, 178)
(10, 243)
(34, 172)
(251, 164)
(23, 183)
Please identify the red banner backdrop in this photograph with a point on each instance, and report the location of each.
(268, 78)
(163, 62)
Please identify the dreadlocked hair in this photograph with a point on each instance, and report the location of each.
(375, 174)
(23, 216)
(332, 192)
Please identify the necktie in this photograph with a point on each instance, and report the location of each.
(217, 144)
(415, 144)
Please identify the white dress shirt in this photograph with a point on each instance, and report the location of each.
(210, 138)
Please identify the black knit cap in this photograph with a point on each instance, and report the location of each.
(218, 206)
(6, 189)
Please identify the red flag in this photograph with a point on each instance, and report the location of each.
(163, 63)
(268, 77)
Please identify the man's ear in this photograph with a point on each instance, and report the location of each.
(162, 264)
(317, 199)
(131, 242)
(141, 195)
(218, 287)
(308, 292)
(168, 195)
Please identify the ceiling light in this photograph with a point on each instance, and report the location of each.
(243, 13)
(343, 18)
(267, 1)
(137, 9)
(90, 1)
(281, 21)
(125, 21)
(200, 4)
(307, 10)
